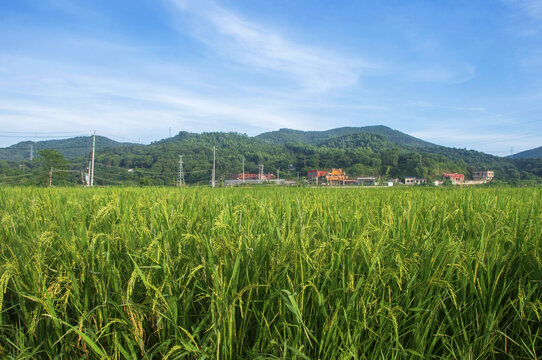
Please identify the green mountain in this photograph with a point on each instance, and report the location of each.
(535, 153)
(359, 152)
(71, 148)
(285, 136)
(391, 154)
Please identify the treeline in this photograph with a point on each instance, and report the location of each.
(71, 148)
(358, 154)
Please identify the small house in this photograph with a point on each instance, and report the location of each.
(455, 178)
(413, 180)
(483, 175)
(367, 180)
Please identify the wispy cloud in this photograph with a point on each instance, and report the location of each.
(425, 104)
(250, 43)
(532, 8)
(528, 16)
(81, 98)
(446, 75)
(481, 139)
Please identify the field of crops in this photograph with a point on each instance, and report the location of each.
(270, 273)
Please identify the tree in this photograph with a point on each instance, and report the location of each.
(51, 160)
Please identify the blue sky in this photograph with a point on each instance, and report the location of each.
(459, 73)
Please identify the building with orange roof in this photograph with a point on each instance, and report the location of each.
(455, 178)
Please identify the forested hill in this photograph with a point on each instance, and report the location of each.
(359, 153)
(71, 148)
(535, 153)
(285, 136)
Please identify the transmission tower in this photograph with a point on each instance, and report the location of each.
(181, 171)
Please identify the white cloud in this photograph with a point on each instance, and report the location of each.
(250, 43)
(79, 98)
(447, 75)
(481, 139)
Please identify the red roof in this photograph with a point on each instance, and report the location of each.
(314, 173)
(454, 175)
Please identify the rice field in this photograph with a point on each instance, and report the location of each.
(199, 273)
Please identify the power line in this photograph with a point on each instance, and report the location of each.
(15, 176)
(109, 180)
(43, 147)
(502, 139)
(144, 170)
(43, 132)
(120, 137)
(138, 169)
(38, 136)
(69, 171)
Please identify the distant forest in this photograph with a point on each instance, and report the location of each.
(376, 151)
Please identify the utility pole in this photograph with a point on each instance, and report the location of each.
(181, 171)
(278, 174)
(51, 177)
(214, 163)
(92, 161)
(31, 152)
(87, 178)
(260, 174)
(243, 169)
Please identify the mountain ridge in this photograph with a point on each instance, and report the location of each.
(358, 151)
(285, 135)
(535, 153)
(71, 148)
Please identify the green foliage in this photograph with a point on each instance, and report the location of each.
(359, 154)
(535, 153)
(271, 273)
(71, 148)
(285, 136)
(357, 151)
(51, 160)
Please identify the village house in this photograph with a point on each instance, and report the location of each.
(454, 178)
(413, 180)
(483, 175)
(316, 175)
(366, 180)
(247, 176)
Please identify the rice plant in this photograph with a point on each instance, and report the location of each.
(276, 273)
